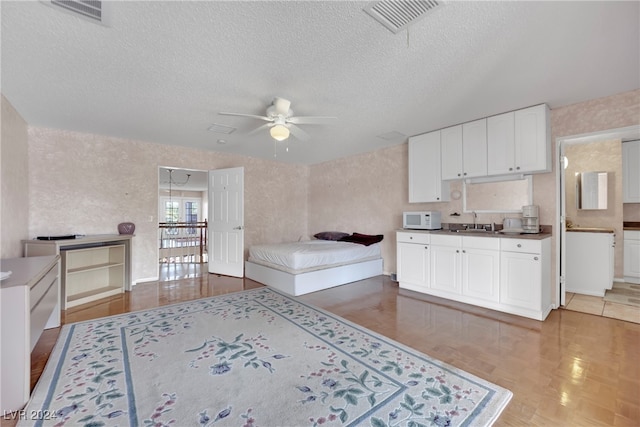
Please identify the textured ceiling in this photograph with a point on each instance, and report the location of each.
(161, 71)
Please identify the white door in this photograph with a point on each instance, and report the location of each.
(226, 222)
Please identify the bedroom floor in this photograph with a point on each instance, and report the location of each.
(572, 369)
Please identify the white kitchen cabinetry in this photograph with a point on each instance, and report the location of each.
(413, 260)
(589, 262)
(632, 256)
(505, 274)
(425, 180)
(464, 150)
(481, 268)
(446, 252)
(525, 271)
(519, 141)
(631, 172)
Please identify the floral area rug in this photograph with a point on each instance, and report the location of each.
(253, 358)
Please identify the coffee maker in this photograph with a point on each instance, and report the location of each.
(530, 219)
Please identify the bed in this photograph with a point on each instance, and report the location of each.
(299, 268)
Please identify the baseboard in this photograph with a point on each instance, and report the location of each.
(146, 280)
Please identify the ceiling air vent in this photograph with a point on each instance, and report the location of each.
(92, 10)
(397, 15)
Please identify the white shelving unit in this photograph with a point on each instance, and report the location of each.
(92, 267)
(92, 273)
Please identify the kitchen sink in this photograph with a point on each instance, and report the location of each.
(472, 230)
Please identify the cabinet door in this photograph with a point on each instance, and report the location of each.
(451, 146)
(520, 276)
(445, 269)
(631, 172)
(501, 144)
(481, 274)
(413, 264)
(425, 182)
(532, 140)
(474, 149)
(632, 260)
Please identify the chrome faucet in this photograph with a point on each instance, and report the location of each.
(475, 219)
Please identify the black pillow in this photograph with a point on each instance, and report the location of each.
(363, 239)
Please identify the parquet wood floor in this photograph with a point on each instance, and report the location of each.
(574, 369)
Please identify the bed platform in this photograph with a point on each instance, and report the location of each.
(312, 281)
(302, 267)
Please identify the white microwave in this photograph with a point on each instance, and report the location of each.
(426, 220)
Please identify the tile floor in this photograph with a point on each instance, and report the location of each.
(598, 306)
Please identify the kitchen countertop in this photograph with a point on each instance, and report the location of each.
(630, 225)
(590, 230)
(540, 236)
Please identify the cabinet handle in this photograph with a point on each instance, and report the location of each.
(510, 169)
(464, 252)
(519, 245)
(457, 251)
(518, 168)
(410, 237)
(426, 247)
(465, 174)
(437, 198)
(535, 258)
(458, 174)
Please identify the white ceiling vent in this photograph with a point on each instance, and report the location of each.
(92, 10)
(397, 15)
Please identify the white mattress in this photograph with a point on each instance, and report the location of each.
(312, 253)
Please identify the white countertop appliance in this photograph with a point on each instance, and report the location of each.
(425, 220)
(530, 219)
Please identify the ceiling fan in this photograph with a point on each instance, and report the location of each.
(281, 120)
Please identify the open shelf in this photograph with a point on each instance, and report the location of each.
(92, 295)
(91, 273)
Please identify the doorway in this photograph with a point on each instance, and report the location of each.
(621, 134)
(182, 223)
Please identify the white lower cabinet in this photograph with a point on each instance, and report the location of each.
(413, 260)
(481, 268)
(632, 256)
(446, 252)
(506, 274)
(525, 272)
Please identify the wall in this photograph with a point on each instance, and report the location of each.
(87, 184)
(14, 205)
(601, 156)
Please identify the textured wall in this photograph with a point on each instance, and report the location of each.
(87, 184)
(601, 156)
(14, 205)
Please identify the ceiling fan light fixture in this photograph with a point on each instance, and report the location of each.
(279, 132)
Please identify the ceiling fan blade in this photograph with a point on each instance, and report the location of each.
(253, 116)
(310, 119)
(298, 133)
(260, 128)
(281, 105)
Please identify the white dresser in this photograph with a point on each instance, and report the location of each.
(30, 302)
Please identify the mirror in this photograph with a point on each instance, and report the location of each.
(591, 190)
(497, 196)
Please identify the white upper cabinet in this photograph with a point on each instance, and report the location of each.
(519, 141)
(501, 144)
(464, 150)
(631, 172)
(474, 148)
(425, 181)
(451, 145)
